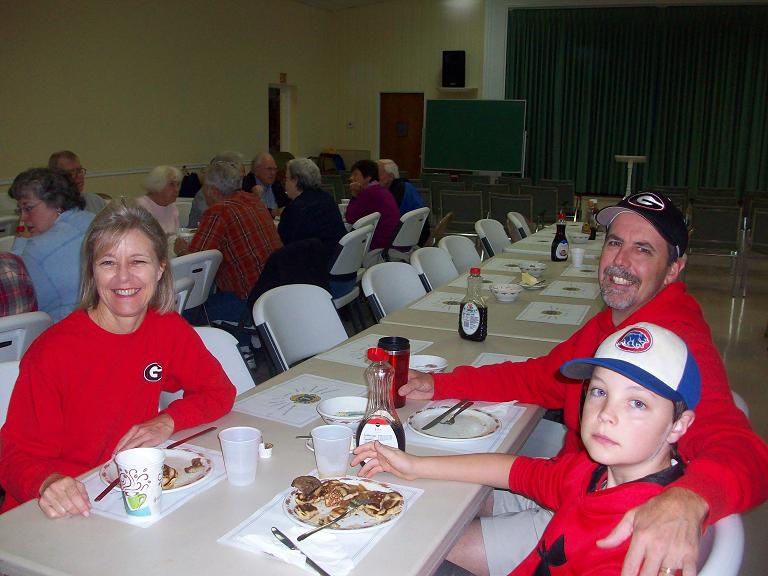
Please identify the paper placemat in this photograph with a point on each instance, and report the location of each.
(439, 302)
(486, 358)
(540, 249)
(585, 271)
(355, 353)
(506, 264)
(507, 412)
(488, 279)
(552, 313)
(112, 505)
(338, 553)
(294, 402)
(570, 289)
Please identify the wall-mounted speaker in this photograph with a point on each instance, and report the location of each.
(454, 62)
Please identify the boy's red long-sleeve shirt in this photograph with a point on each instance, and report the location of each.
(81, 388)
(728, 462)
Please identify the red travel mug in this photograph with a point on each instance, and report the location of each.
(399, 351)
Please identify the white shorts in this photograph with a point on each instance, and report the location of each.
(513, 531)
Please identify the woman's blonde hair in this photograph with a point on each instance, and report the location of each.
(109, 227)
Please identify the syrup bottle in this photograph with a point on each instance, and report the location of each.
(381, 421)
(560, 245)
(473, 314)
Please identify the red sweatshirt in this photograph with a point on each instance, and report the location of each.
(81, 388)
(728, 461)
(570, 485)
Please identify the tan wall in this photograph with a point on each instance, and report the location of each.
(134, 84)
(397, 46)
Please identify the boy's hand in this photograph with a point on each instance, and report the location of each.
(665, 533)
(420, 386)
(384, 459)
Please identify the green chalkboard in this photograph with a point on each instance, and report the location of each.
(475, 135)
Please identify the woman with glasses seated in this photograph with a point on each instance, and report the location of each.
(55, 223)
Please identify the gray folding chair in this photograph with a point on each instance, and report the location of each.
(17, 332)
(390, 286)
(467, 208)
(462, 251)
(434, 266)
(545, 203)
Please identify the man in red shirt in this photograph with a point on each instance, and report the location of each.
(238, 225)
(643, 256)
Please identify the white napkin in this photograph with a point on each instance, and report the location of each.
(336, 552)
(112, 506)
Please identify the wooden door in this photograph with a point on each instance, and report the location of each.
(400, 124)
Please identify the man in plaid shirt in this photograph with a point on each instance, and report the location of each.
(239, 225)
(17, 294)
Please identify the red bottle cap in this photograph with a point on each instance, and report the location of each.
(474, 270)
(377, 355)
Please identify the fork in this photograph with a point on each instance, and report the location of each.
(452, 419)
(353, 505)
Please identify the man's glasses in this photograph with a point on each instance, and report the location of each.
(77, 171)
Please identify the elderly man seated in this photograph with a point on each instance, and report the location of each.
(405, 193)
(69, 163)
(238, 225)
(262, 181)
(200, 204)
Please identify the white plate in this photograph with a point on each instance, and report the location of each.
(426, 363)
(178, 459)
(356, 520)
(471, 424)
(311, 445)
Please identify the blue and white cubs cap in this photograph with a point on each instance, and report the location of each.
(650, 355)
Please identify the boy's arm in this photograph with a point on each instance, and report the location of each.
(487, 469)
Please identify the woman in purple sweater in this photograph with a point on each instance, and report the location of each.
(369, 196)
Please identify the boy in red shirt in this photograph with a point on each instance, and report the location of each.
(642, 386)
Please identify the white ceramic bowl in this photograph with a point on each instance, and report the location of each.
(506, 292)
(426, 363)
(536, 269)
(578, 238)
(345, 410)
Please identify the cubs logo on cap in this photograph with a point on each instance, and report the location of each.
(652, 356)
(656, 209)
(635, 340)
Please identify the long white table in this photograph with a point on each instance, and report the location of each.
(502, 317)
(184, 542)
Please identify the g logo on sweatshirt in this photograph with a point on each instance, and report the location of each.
(153, 372)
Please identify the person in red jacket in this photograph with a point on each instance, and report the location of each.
(90, 385)
(639, 271)
(643, 385)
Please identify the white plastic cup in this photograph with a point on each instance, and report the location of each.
(345, 201)
(141, 473)
(577, 255)
(240, 446)
(331, 443)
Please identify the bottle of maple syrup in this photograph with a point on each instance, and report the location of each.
(381, 421)
(559, 250)
(473, 314)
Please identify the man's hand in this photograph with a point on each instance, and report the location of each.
(258, 190)
(665, 533)
(62, 496)
(149, 433)
(420, 386)
(180, 247)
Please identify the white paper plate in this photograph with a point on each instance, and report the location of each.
(356, 520)
(472, 424)
(178, 459)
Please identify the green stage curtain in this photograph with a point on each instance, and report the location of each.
(685, 86)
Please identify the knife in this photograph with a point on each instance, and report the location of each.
(287, 542)
(437, 420)
(116, 481)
